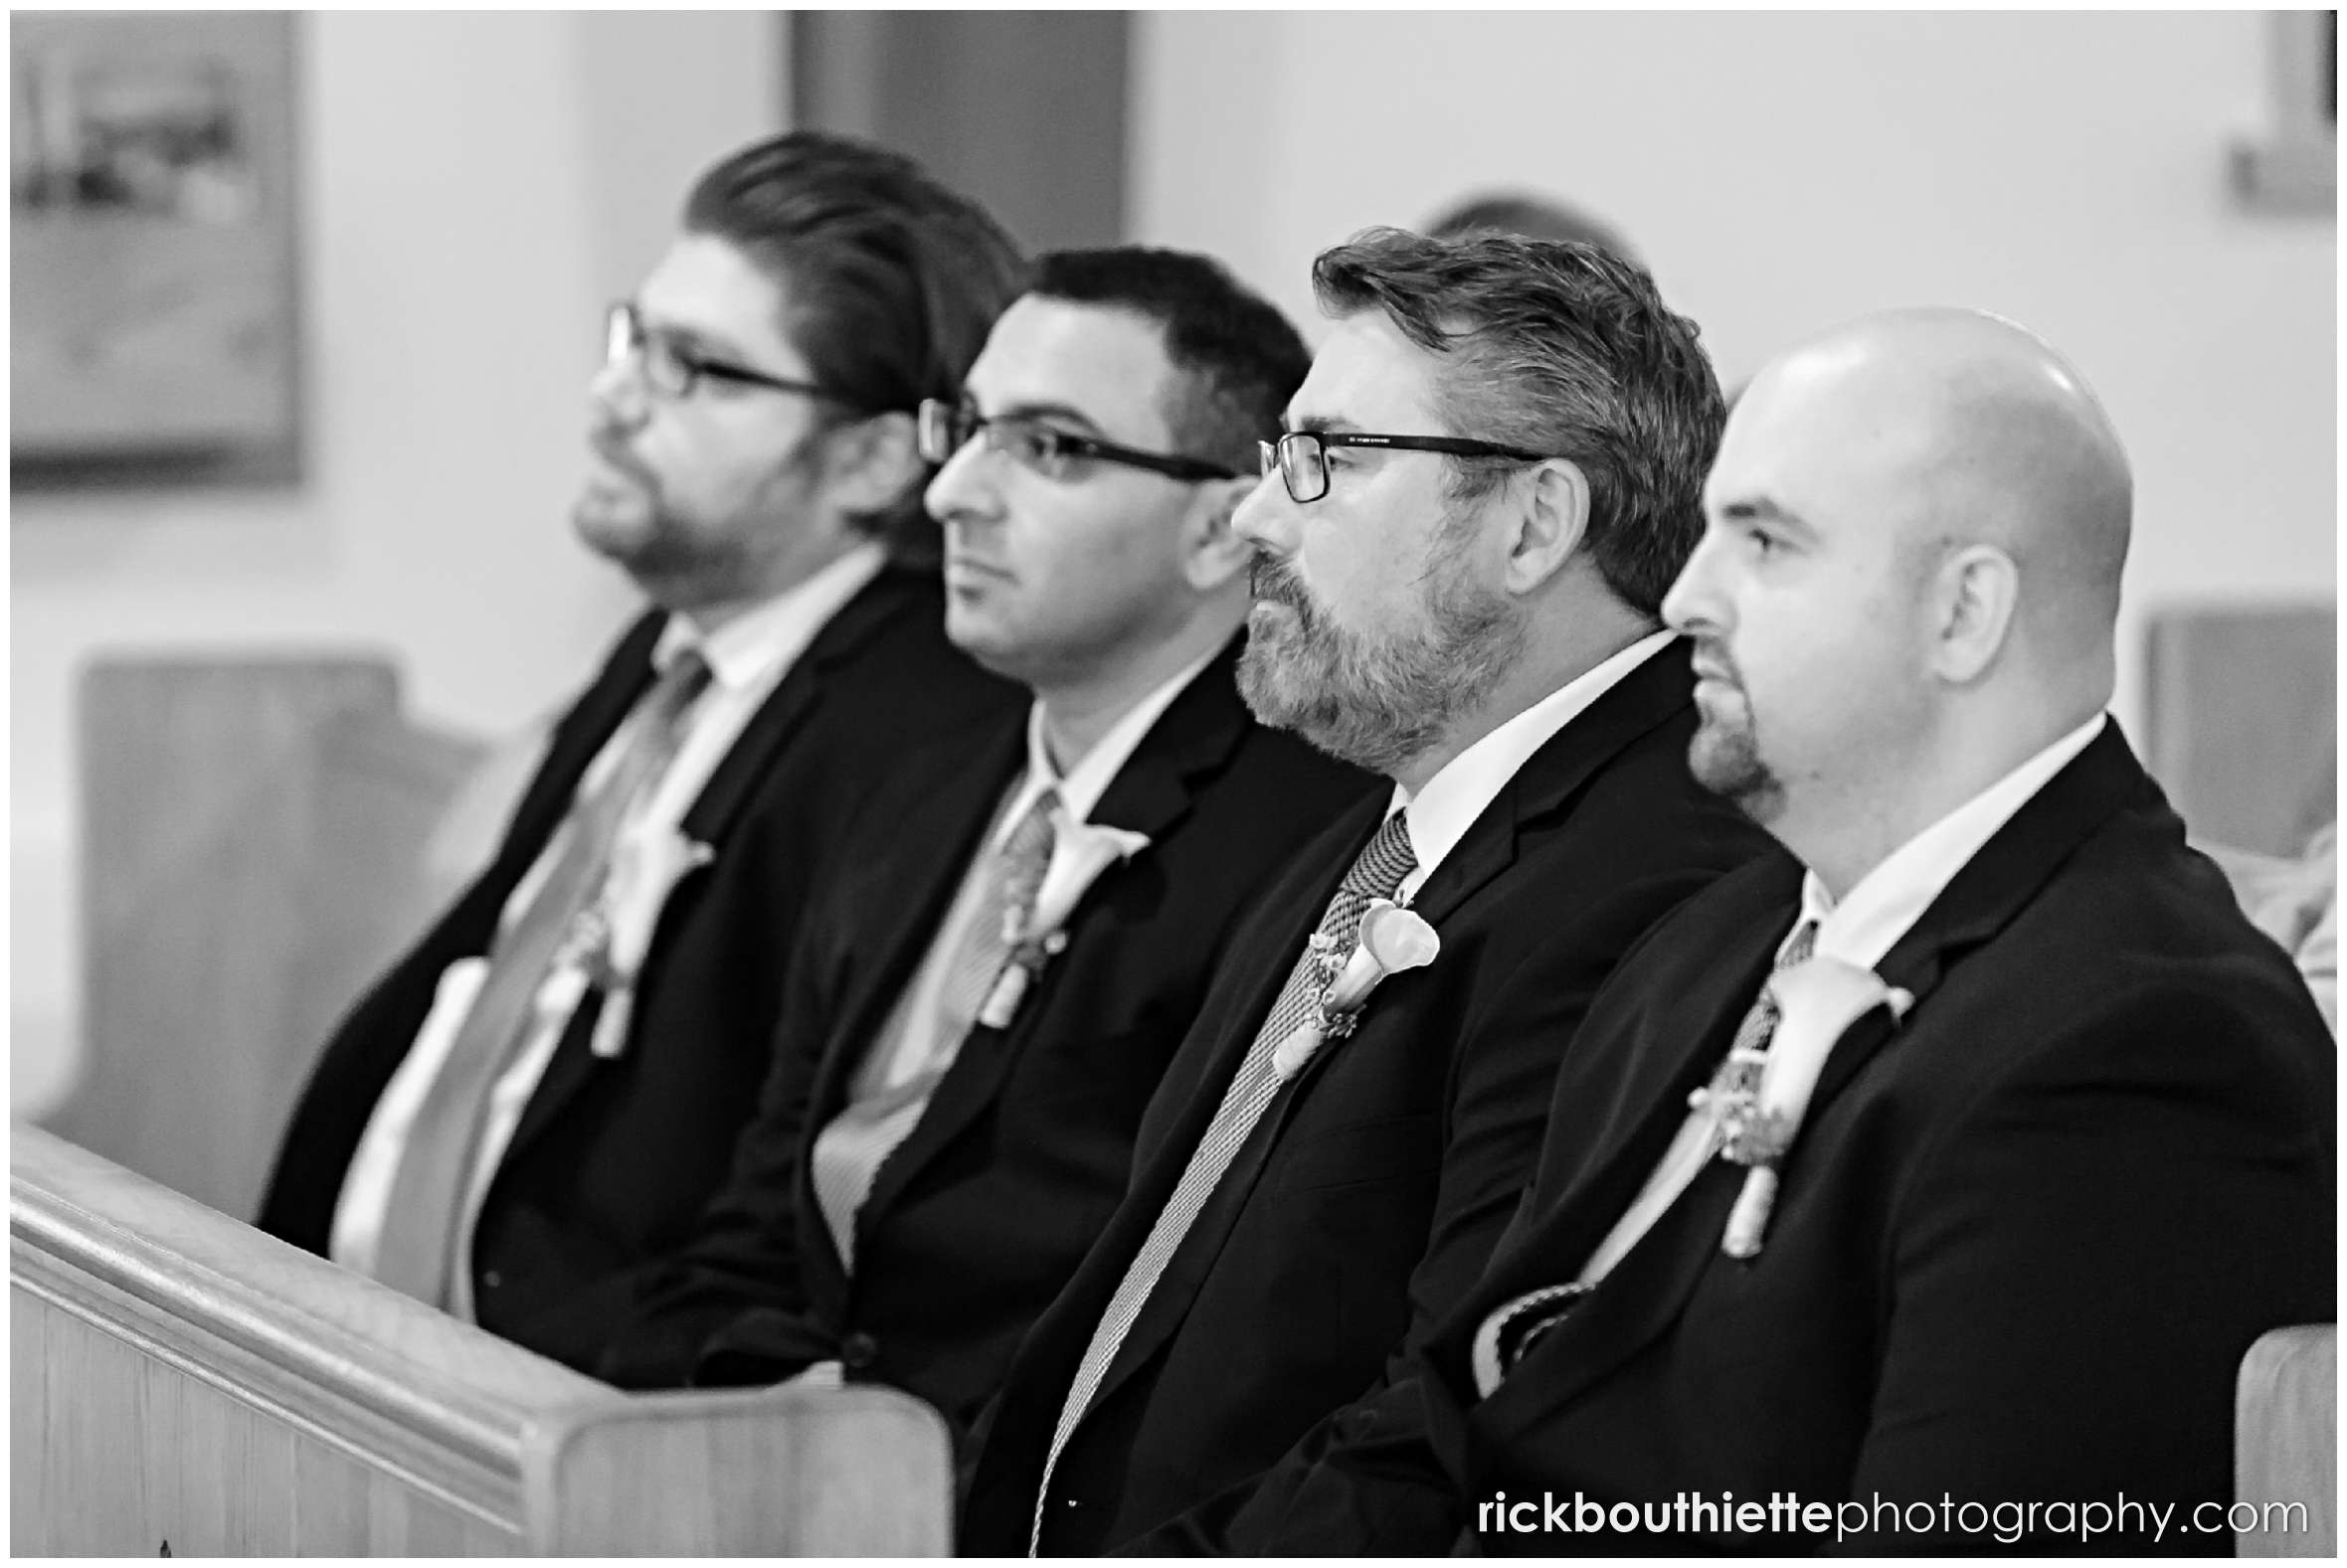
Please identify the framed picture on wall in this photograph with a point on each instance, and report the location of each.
(151, 240)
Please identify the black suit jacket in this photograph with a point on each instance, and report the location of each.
(613, 1159)
(977, 1219)
(1371, 1194)
(2020, 1245)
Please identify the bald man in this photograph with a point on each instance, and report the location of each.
(1921, 1191)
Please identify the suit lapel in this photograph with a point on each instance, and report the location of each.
(891, 594)
(1545, 786)
(880, 604)
(581, 734)
(1645, 1295)
(1192, 740)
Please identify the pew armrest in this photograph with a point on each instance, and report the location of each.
(2286, 1442)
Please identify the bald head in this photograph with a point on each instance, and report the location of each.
(1962, 429)
(1909, 576)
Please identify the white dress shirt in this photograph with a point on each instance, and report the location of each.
(748, 657)
(912, 1041)
(1860, 929)
(1442, 811)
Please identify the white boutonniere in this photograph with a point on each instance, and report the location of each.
(1080, 853)
(617, 929)
(1390, 939)
(1760, 1098)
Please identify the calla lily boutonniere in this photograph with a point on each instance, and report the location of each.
(1390, 939)
(1817, 1002)
(645, 870)
(1080, 853)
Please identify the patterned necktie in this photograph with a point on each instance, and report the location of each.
(430, 1187)
(1511, 1330)
(852, 1147)
(1374, 875)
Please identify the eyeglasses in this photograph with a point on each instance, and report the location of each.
(946, 428)
(1302, 457)
(672, 370)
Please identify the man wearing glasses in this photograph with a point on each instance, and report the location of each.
(541, 1095)
(1488, 481)
(970, 1034)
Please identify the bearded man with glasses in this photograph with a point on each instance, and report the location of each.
(970, 1033)
(1462, 540)
(540, 1097)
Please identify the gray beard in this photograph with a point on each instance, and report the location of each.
(1377, 704)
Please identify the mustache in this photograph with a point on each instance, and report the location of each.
(1710, 657)
(1274, 581)
(613, 448)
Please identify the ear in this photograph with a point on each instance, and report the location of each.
(1549, 521)
(1976, 591)
(1212, 553)
(874, 461)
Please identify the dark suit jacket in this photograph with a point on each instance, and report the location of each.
(1370, 1195)
(975, 1222)
(2022, 1242)
(613, 1159)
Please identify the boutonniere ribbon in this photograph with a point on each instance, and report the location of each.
(1759, 1112)
(1389, 940)
(616, 931)
(1080, 853)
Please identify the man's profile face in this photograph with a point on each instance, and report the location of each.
(1801, 599)
(1049, 575)
(691, 494)
(1378, 618)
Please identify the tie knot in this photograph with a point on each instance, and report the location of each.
(1034, 834)
(1385, 861)
(1801, 948)
(685, 679)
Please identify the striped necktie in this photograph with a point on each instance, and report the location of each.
(428, 1189)
(1376, 874)
(856, 1144)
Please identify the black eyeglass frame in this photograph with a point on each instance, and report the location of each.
(946, 428)
(623, 334)
(1273, 454)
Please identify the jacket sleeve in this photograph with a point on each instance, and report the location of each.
(743, 1256)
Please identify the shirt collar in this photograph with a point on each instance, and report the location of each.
(1863, 927)
(1442, 811)
(1081, 788)
(759, 640)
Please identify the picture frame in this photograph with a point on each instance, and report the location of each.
(153, 295)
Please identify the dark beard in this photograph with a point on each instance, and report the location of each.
(1724, 757)
(1377, 704)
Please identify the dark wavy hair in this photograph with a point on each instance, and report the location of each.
(891, 280)
(1555, 347)
(1236, 358)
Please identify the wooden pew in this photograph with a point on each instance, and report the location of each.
(183, 1384)
(2287, 1443)
(254, 830)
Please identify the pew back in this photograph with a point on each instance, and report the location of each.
(183, 1382)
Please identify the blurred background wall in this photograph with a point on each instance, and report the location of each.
(473, 190)
(476, 187)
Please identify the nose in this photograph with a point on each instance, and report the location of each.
(616, 393)
(1266, 519)
(960, 491)
(1693, 605)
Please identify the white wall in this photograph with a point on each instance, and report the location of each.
(1783, 172)
(473, 190)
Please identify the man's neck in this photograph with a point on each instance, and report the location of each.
(1079, 709)
(775, 578)
(1844, 833)
(1533, 678)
